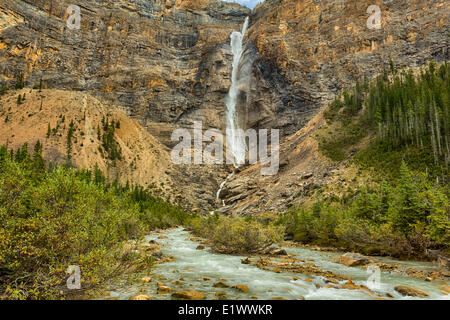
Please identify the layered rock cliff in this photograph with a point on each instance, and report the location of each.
(168, 64)
(163, 63)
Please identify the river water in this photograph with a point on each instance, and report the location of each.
(200, 269)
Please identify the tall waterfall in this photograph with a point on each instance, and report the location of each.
(235, 138)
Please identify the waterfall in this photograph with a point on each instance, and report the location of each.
(235, 138)
(221, 187)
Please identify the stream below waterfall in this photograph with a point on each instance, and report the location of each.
(198, 270)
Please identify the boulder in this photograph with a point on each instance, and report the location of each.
(275, 252)
(200, 247)
(411, 291)
(157, 255)
(220, 284)
(146, 279)
(162, 288)
(350, 285)
(444, 262)
(241, 287)
(245, 261)
(350, 259)
(445, 288)
(188, 295)
(141, 297)
(278, 252)
(331, 280)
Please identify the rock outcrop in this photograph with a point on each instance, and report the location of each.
(411, 291)
(353, 259)
(188, 295)
(141, 297)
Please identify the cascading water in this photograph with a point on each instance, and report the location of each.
(235, 139)
(221, 187)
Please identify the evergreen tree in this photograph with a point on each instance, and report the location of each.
(38, 161)
(22, 155)
(407, 207)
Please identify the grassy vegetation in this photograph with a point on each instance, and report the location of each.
(236, 235)
(405, 209)
(55, 216)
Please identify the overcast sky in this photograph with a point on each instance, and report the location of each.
(249, 3)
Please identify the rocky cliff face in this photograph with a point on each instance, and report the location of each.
(304, 53)
(164, 63)
(168, 64)
(307, 51)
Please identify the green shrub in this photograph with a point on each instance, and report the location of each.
(237, 235)
(60, 217)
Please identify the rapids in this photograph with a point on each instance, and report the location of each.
(194, 266)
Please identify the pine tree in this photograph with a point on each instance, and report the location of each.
(22, 155)
(49, 130)
(38, 161)
(70, 133)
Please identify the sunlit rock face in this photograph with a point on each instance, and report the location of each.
(165, 62)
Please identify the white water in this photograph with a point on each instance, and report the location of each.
(221, 187)
(192, 266)
(235, 139)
